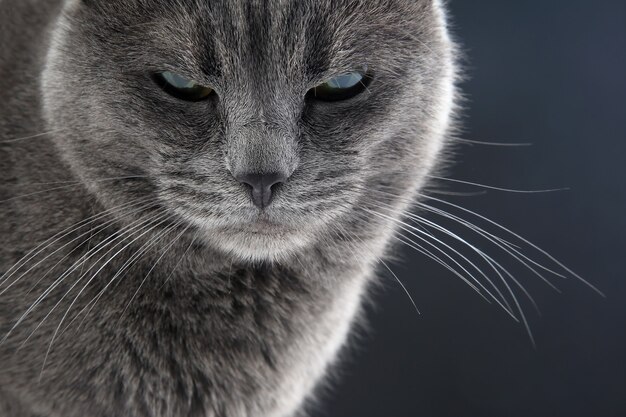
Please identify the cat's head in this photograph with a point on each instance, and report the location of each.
(266, 124)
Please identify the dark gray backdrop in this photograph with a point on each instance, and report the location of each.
(553, 73)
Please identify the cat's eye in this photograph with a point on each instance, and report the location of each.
(181, 87)
(342, 87)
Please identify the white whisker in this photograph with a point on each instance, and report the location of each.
(419, 220)
(162, 220)
(102, 245)
(127, 264)
(152, 268)
(490, 187)
(504, 144)
(23, 274)
(409, 229)
(38, 135)
(502, 245)
(537, 248)
(60, 235)
(404, 288)
(193, 240)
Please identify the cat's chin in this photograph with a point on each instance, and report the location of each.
(256, 237)
(256, 241)
(256, 244)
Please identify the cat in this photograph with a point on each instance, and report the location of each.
(196, 194)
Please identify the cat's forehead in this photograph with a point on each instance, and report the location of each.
(248, 10)
(320, 33)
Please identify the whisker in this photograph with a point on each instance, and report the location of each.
(498, 241)
(69, 185)
(123, 269)
(64, 187)
(60, 235)
(490, 187)
(456, 193)
(504, 144)
(420, 249)
(89, 281)
(38, 135)
(75, 266)
(183, 257)
(404, 288)
(518, 306)
(108, 223)
(537, 248)
(485, 257)
(90, 232)
(493, 264)
(353, 238)
(128, 177)
(406, 227)
(502, 245)
(152, 269)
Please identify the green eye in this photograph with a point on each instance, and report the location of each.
(181, 87)
(342, 87)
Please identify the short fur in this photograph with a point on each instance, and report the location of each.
(226, 310)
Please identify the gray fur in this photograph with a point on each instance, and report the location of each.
(232, 312)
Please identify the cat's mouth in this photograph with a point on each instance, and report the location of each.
(257, 236)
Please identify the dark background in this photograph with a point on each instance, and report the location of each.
(552, 73)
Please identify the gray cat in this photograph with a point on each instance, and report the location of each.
(195, 193)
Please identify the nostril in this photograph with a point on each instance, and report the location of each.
(261, 181)
(274, 186)
(262, 185)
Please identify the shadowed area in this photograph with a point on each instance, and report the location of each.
(553, 75)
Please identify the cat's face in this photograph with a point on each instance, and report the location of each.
(261, 59)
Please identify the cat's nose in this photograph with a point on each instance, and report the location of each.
(262, 186)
